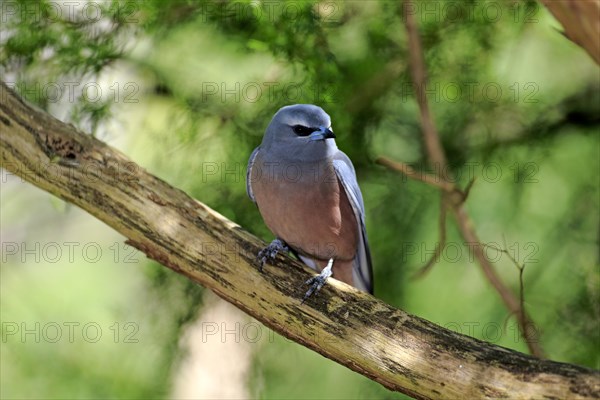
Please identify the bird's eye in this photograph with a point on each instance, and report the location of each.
(302, 130)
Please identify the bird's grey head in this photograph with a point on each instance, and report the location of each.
(300, 132)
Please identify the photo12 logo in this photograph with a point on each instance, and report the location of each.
(253, 92)
(443, 11)
(492, 331)
(455, 252)
(73, 11)
(68, 252)
(94, 252)
(489, 92)
(68, 332)
(92, 92)
(270, 11)
(252, 332)
(488, 172)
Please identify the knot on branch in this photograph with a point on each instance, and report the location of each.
(458, 196)
(67, 150)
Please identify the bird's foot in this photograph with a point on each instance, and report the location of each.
(269, 252)
(317, 282)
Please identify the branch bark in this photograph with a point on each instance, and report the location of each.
(402, 352)
(581, 21)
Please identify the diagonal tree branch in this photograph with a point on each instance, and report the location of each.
(581, 21)
(402, 352)
(409, 171)
(437, 159)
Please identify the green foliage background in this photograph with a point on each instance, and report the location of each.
(188, 88)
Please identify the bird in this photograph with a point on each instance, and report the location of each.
(308, 196)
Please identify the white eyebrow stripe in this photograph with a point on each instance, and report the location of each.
(294, 122)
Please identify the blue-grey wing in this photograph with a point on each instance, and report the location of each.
(362, 270)
(249, 174)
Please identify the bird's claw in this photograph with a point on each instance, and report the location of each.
(270, 252)
(317, 282)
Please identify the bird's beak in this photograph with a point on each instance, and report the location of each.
(321, 134)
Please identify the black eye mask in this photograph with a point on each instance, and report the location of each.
(303, 130)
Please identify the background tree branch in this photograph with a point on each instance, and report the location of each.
(451, 196)
(581, 21)
(402, 352)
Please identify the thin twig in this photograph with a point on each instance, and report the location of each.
(521, 268)
(417, 69)
(467, 189)
(513, 304)
(409, 171)
(437, 158)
